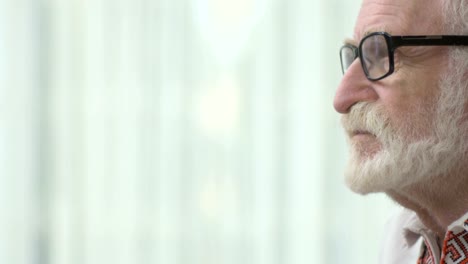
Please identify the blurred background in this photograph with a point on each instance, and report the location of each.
(177, 132)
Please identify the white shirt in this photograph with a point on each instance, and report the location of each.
(406, 237)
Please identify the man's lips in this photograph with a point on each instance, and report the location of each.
(356, 132)
(360, 133)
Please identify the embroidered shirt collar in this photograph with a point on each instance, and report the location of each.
(460, 224)
(455, 239)
(413, 228)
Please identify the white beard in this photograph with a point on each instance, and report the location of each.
(400, 161)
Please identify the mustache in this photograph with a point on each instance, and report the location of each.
(366, 117)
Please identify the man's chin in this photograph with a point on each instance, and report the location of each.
(364, 174)
(362, 185)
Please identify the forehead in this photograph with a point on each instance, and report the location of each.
(399, 17)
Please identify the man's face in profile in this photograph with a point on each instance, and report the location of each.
(408, 127)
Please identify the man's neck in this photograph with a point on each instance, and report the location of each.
(438, 203)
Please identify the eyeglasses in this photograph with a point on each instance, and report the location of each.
(376, 51)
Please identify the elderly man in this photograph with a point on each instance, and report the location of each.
(404, 105)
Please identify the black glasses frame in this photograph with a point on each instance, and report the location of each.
(393, 42)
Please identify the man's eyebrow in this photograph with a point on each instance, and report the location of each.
(349, 41)
(366, 33)
(373, 30)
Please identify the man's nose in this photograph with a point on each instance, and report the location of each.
(353, 88)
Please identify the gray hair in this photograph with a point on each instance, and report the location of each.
(456, 17)
(456, 23)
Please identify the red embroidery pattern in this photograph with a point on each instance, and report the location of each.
(455, 249)
(426, 257)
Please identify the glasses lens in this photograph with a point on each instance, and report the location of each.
(347, 56)
(375, 58)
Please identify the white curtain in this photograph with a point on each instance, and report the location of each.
(176, 132)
